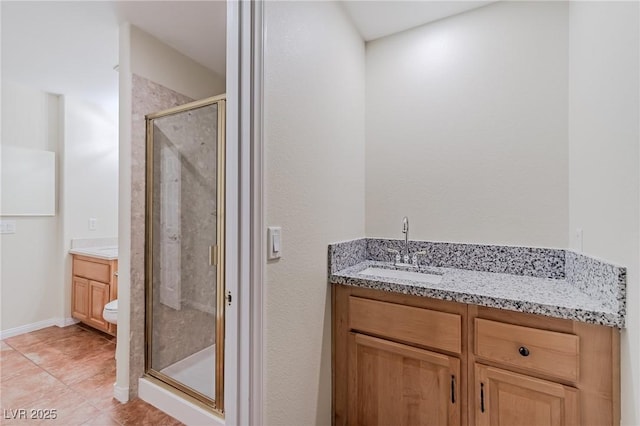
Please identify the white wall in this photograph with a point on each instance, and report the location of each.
(90, 178)
(31, 272)
(466, 126)
(162, 64)
(36, 270)
(91, 169)
(314, 189)
(604, 162)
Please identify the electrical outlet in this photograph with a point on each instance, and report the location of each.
(579, 239)
(92, 223)
(7, 226)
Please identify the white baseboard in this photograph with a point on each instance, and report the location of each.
(65, 322)
(27, 328)
(179, 408)
(121, 393)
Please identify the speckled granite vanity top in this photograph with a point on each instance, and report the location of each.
(551, 282)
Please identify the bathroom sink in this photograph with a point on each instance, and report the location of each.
(423, 277)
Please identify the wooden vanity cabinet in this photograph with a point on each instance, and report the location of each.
(533, 369)
(397, 359)
(94, 284)
(409, 360)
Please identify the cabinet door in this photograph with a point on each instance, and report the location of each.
(395, 384)
(509, 399)
(98, 297)
(80, 299)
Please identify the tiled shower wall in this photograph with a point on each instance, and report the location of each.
(149, 97)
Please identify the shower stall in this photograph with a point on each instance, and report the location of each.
(184, 256)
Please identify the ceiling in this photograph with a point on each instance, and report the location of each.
(71, 47)
(62, 47)
(198, 29)
(375, 19)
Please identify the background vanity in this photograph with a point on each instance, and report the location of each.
(94, 281)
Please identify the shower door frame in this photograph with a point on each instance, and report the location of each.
(217, 257)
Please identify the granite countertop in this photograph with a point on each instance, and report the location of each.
(105, 252)
(552, 297)
(571, 286)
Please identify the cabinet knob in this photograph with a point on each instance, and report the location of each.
(523, 351)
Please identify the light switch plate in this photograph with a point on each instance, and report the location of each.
(274, 242)
(92, 223)
(7, 226)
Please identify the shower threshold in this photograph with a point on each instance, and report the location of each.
(198, 371)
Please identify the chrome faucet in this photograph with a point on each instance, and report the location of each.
(403, 259)
(405, 231)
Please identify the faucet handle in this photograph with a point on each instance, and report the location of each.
(414, 258)
(397, 257)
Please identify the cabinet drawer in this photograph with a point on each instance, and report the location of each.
(92, 270)
(439, 330)
(546, 352)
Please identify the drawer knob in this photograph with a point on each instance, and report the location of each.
(523, 351)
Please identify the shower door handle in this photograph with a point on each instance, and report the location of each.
(213, 255)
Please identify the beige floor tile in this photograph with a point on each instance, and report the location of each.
(22, 390)
(13, 363)
(102, 420)
(70, 370)
(98, 389)
(138, 412)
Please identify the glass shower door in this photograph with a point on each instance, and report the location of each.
(184, 256)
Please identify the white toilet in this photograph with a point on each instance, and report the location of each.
(110, 312)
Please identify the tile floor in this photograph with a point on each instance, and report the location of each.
(70, 370)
